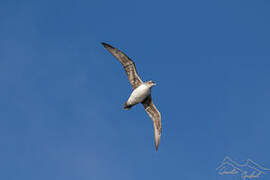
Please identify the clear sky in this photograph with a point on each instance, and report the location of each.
(62, 93)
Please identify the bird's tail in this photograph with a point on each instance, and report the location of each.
(126, 106)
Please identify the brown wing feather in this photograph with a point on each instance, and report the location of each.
(128, 64)
(156, 118)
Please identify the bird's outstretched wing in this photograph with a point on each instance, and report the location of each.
(128, 64)
(154, 114)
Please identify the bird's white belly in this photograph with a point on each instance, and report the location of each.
(139, 94)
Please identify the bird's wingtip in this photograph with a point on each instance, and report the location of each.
(157, 144)
(157, 137)
(156, 148)
(106, 45)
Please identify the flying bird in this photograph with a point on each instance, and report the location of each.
(141, 90)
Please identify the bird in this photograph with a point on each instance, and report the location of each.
(141, 91)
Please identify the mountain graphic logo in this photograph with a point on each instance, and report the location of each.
(249, 169)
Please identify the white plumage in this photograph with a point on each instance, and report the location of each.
(139, 94)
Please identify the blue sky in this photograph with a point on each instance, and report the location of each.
(62, 93)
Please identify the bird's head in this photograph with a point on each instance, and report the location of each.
(150, 83)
